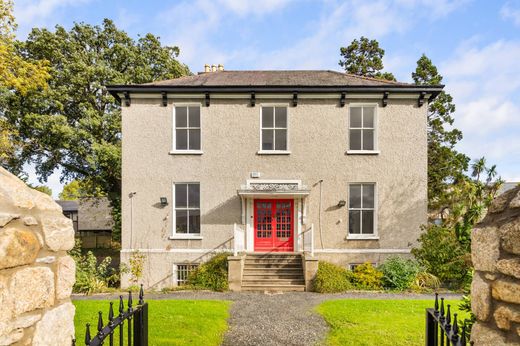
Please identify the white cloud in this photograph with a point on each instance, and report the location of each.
(30, 11)
(254, 7)
(511, 11)
(485, 83)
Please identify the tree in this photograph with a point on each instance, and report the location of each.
(364, 58)
(78, 189)
(16, 73)
(75, 123)
(43, 188)
(446, 166)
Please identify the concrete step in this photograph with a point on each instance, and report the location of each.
(273, 256)
(267, 275)
(273, 266)
(274, 288)
(273, 282)
(274, 260)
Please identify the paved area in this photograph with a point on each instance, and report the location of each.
(274, 319)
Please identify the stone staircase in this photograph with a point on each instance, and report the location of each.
(273, 272)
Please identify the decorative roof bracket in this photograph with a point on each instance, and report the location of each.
(295, 99)
(253, 99)
(127, 98)
(385, 98)
(207, 100)
(342, 100)
(164, 98)
(420, 101)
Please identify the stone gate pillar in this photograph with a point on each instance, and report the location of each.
(36, 274)
(495, 290)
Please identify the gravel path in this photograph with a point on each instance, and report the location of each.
(274, 319)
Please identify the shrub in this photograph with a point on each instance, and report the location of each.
(441, 254)
(366, 277)
(212, 274)
(424, 280)
(92, 277)
(399, 273)
(331, 278)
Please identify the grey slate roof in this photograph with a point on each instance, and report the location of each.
(68, 205)
(275, 78)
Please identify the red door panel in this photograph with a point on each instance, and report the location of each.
(274, 225)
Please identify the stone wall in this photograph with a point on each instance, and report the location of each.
(36, 274)
(495, 290)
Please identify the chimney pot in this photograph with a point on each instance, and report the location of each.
(213, 68)
(206, 68)
(220, 67)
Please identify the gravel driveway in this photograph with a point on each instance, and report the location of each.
(274, 319)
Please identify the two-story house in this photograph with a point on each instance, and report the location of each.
(280, 168)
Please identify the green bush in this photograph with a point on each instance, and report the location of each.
(91, 276)
(425, 281)
(331, 278)
(212, 275)
(441, 254)
(366, 277)
(399, 273)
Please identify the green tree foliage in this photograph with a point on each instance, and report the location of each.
(75, 123)
(43, 188)
(78, 189)
(17, 73)
(446, 165)
(364, 57)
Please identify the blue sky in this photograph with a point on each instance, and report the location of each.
(475, 44)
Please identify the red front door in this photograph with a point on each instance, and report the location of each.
(274, 225)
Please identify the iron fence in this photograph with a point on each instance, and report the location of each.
(441, 329)
(132, 323)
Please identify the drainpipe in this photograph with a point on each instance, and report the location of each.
(319, 216)
(131, 196)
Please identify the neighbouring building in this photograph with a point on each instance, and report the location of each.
(92, 221)
(281, 168)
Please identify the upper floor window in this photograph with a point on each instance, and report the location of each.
(187, 208)
(187, 128)
(274, 128)
(361, 210)
(362, 128)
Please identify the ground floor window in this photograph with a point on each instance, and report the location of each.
(182, 271)
(361, 209)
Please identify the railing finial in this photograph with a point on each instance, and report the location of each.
(141, 295)
(87, 335)
(448, 317)
(436, 306)
(121, 305)
(455, 326)
(111, 313)
(130, 301)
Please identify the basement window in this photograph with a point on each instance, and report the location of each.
(182, 272)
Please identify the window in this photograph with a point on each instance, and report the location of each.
(183, 271)
(274, 128)
(187, 128)
(187, 208)
(362, 128)
(361, 210)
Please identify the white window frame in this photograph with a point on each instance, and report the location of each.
(375, 234)
(175, 281)
(174, 132)
(175, 235)
(376, 150)
(274, 152)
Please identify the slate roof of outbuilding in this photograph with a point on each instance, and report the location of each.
(279, 78)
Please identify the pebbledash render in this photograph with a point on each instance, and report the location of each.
(316, 165)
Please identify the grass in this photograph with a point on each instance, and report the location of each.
(378, 322)
(171, 322)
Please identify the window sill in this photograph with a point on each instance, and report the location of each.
(186, 152)
(185, 237)
(362, 237)
(363, 152)
(273, 152)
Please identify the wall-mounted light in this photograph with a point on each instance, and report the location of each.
(164, 201)
(342, 203)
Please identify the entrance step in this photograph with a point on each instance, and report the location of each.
(273, 272)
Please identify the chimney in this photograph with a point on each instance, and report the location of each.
(213, 68)
(220, 67)
(206, 68)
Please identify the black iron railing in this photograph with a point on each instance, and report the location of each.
(132, 321)
(441, 329)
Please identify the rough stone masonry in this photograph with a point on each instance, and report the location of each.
(495, 290)
(36, 274)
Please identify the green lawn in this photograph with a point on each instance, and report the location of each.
(377, 322)
(171, 322)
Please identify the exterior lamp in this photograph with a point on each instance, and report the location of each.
(342, 203)
(164, 201)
